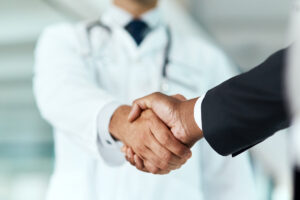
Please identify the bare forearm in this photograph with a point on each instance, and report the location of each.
(119, 122)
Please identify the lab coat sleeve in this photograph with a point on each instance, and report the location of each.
(68, 95)
(226, 178)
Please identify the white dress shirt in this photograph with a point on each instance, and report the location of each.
(77, 94)
(197, 111)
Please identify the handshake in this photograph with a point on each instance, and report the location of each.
(157, 131)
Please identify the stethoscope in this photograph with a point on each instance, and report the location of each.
(166, 61)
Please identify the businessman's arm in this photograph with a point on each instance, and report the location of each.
(246, 109)
(236, 115)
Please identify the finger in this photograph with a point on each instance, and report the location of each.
(124, 149)
(141, 104)
(139, 163)
(148, 155)
(154, 170)
(130, 153)
(131, 161)
(165, 137)
(134, 113)
(179, 97)
(143, 170)
(166, 157)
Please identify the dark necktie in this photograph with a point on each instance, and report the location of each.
(138, 29)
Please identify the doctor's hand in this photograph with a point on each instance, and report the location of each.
(176, 112)
(150, 139)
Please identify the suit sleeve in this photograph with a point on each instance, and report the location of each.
(246, 109)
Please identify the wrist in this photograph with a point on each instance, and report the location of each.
(118, 122)
(186, 110)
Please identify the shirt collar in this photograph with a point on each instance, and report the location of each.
(117, 16)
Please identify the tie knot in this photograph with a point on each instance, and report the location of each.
(138, 29)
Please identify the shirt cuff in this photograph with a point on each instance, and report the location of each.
(197, 112)
(108, 147)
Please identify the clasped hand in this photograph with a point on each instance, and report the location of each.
(156, 132)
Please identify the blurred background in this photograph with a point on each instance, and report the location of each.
(248, 31)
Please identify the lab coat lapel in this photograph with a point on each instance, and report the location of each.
(126, 42)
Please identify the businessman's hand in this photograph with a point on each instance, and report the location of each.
(150, 139)
(177, 114)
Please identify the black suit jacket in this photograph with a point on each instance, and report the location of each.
(246, 109)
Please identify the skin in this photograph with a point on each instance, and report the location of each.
(153, 147)
(150, 140)
(175, 112)
(136, 7)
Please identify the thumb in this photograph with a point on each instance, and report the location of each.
(179, 97)
(135, 112)
(141, 104)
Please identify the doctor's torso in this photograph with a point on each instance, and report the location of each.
(128, 71)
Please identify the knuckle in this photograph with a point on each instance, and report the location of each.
(167, 156)
(182, 162)
(157, 162)
(156, 94)
(164, 165)
(139, 167)
(181, 151)
(155, 170)
(165, 139)
(136, 101)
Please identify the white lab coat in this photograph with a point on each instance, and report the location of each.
(70, 94)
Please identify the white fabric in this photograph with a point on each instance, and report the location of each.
(119, 18)
(197, 111)
(71, 94)
(107, 145)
